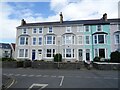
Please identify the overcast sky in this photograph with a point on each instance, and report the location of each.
(11, 13)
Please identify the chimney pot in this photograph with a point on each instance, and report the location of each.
(61, 17)
(105, 17)
(23, 22)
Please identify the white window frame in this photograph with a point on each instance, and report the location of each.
(24, 41)
(97, 28)
(68, 28)
(52, 53)
(80, 28)
(81, 39)
(65, 52)
(86, 40)
(115, 38)
(49, 29)
(35, 42)
(33, 30)
(85, 28)
(24, 53)
(40, 29)
(41, 41)
(71, 42)
(45, 41)
(105, 37)
(24, 31)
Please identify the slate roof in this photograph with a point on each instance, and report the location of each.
(5, 46)
(85, 22)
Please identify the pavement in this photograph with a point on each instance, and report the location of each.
(28, 79)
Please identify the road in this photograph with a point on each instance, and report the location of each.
(33, 78)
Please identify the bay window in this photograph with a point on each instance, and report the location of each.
(50, 52)
(23, 52)
(23, 41)
(100, 39)
(68, 39)
(117, 39)
(68, 53)
(49, 39)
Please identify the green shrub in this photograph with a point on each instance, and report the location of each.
(58, 58)
(7, 59)
(96, 59)
(115, 57)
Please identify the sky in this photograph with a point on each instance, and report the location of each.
(13, 11)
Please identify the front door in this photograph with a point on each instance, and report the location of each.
(80, 54)
(33, 54)
(102, 53)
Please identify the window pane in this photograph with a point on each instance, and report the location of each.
(68, 29)
(26, 52)
(34, 41)
(39, 51)
(117, 39)
(50, 29)
(26, 41)
(48, 52)
(87, 28)
(102, 53)
(87, 40)
(53, 40)
(40, 40)
(98, 27)
(68, 39)
(40, 30)
(24, 31)
(68, 52)
(95, 39)
(49, 39)
(80, 40)
(21, 53)
(22, 40)
(34, 30)
(80, 29)
(101, 39)
(96, 53)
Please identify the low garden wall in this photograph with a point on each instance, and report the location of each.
(106, 66)
(56, 65)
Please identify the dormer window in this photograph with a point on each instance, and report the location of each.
(99, 27)
(50, 29)
(68, 29)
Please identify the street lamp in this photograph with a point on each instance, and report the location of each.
(58, 53)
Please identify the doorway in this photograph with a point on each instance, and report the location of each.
(80, 54)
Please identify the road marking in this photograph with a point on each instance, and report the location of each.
(17, 75)
(24, 75)
(107, 78)
(4, 74)
(46, 76)
(11, 83)
(10, 74)
(61, 80)
(38, 85)
(30, 75)
(38, 75)
(53, 76)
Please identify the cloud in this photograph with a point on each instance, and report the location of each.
(10, 15)
(85, 9)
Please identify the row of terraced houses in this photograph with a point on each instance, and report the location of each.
(78, 40)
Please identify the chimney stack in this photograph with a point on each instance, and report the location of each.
(61, 17)
(23, 22)
(105, 17)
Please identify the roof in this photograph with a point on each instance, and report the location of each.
(85, 22)
(5, 46)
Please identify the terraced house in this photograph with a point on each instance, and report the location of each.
(78, 40)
